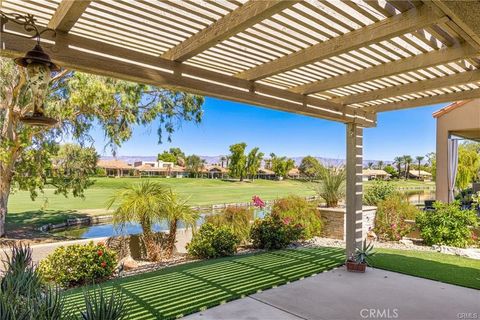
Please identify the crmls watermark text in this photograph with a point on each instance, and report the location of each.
(379, 313)
(468, 315)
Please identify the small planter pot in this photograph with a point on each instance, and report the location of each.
(353, 266)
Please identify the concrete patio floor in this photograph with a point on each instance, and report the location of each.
(338, 294)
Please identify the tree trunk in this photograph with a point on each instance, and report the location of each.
(5, 184)
(172, 238)
(153, 253)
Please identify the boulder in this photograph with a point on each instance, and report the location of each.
(128, 263)
(406, 242)
(468, 253)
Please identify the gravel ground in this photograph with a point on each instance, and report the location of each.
(327, 242)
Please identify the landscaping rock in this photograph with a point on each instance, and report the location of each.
(468, 253)
(406, 242)
(128, 263)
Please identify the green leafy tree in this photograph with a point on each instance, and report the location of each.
(175, 155)
(468, 165)
(238, 161)
(391, 170)
(79, 102)
(380, 164)
(194, 165)
(432, 163)
(167, 157)
(281, 165)
(310, 167)
(254, 160)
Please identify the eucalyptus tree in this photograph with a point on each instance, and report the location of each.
(310, 167)
(254, 161)
(194, 165)
(78, 102)
(238, 161)
(281, 165)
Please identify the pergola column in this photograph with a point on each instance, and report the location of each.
(354, 211)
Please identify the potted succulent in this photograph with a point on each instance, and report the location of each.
(358, 262)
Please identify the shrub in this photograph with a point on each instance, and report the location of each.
(391, 215)
(378, 191)
(101, 305)
(237, 219)
(213, 242)
(22, 293)
(273, 232)
(78, 264)
(332, 187)
(302, 212)
(447, 225)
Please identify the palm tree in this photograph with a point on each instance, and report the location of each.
(380, 164)
(176, 210)
(370, 165)
(419, 160)
(140, 203)
(407, 160)
(398, 161)
(222, 160)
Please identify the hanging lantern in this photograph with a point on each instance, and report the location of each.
(39, 68)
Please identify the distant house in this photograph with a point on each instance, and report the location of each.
(266, 174)
(166, 171)
(420, 175)
(294, 173)
(215, 172)
(375, 174)
(116, 168)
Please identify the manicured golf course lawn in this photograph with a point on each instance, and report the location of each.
(51, 208)
(184, 289)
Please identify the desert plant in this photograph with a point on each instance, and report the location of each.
(273, 232)
(332, 187)
(78, 264)
(447, 225)
(175, 210)
(101, 305)
(22, 293)
(213, 242)
(391, 215)
(237, 219)
(140, 203)
(378, 191)
(300, 211)
(364, 254)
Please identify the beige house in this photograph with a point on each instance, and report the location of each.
(116, 168)
(375, 174)
(420, 175)
(267, 174)
(460, 120)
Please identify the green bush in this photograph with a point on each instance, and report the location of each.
(213, 242)
(447, 225)
(237, 219)
(302, 212)
(391, 215)
(378, 191)
(78, 264)
(273, 232)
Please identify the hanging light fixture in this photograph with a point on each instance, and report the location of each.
(39, 68)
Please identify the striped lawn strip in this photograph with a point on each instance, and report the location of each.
(188, 288)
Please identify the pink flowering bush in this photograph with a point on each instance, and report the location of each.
(390, 219)
(273, 232)
(257, 202)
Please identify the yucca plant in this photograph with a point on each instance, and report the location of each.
(101, 305)
(365, 254)
(332, 187)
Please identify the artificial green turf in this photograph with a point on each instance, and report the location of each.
(188, 288)
(430, 265)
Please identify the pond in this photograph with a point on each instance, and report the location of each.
(108, 229)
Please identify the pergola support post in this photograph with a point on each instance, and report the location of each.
(354, 212)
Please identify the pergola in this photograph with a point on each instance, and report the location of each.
(338, 60)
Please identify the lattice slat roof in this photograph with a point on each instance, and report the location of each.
(339, 60)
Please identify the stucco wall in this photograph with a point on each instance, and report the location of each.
(465, 117)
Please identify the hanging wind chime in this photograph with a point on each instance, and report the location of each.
(38, 67)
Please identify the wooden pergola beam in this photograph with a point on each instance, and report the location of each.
(421, 61)
(418, 86)
(91, 56)
(409, 21)
(236, 21)
(465, 16)
(67, 14)
(427, 101)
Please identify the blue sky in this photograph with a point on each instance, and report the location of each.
(409, 131)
